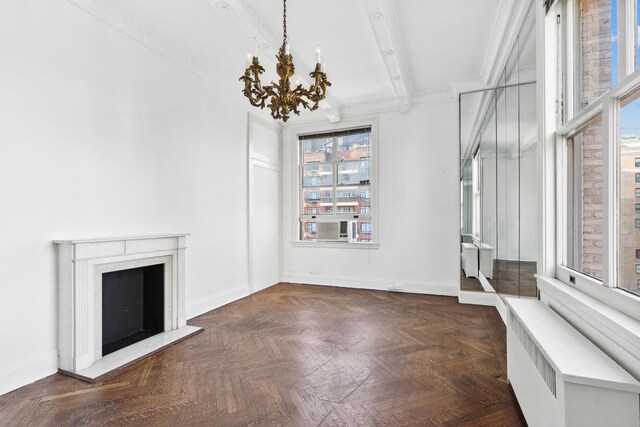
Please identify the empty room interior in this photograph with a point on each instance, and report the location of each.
(318, 213)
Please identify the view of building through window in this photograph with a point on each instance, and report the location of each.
(336, 182)
(598, 60)
(629, 218)
(585, 198)
(598, 46)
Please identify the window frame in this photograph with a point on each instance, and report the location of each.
(607, 106)
(297, 190)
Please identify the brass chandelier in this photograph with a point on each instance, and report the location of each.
(283, 97)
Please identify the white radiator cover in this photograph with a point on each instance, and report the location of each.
(562, 379)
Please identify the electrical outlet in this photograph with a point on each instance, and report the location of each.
(395, 287)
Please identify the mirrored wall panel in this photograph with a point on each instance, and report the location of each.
(498, 178)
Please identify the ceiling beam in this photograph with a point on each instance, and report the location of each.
(384, 25)
(254, 27)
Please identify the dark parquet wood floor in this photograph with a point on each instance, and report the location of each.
(301, 355)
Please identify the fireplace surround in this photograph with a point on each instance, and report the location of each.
(84, 266)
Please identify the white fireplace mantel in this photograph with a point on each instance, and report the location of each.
(81, 263)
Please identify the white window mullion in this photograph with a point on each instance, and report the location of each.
(335, 176)
(626, 38)
(610, 191)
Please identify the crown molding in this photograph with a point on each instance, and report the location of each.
(153, 41)
(511, 15)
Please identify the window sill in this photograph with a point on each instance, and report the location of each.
(336, 245)
(617, 326)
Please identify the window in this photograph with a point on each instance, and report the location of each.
(365, 227)
(629, 149)
(599, 165)
(335, 180)
(596, 49)
(583, 182)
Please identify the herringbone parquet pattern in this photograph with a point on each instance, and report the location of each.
(302, 355)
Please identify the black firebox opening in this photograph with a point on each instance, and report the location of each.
(132, 306)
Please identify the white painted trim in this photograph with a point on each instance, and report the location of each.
(502, 309)
(615, 333)
(204, 305)
(478, 298)
(336, 245)
(486, 285)
(386, 32)
(429, 288)
(29, 371)
(130, 27)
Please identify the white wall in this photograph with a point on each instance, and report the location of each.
(418, 205)
(100, 136)
(264, 203)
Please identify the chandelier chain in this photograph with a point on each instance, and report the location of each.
(284, 24)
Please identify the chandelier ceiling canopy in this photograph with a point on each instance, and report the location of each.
(283, 97)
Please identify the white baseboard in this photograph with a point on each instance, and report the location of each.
(429, 288)
(28, 372)
(204, 305)
(502, 309)
(478, 298)
(485, 283)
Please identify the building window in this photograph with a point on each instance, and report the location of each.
(365, 227)
(336, 177)
(598, 168)
(637, 253)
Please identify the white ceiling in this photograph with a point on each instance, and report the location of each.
(433, 44)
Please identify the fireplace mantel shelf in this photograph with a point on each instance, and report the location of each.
(112, 239)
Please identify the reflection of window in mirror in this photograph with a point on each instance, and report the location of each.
(476, 195)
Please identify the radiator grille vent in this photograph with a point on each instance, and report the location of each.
(539, 360)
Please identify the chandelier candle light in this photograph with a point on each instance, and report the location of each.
(283, 97)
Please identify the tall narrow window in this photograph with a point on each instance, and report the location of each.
(336, 174)
(584, 186)
(629, 235)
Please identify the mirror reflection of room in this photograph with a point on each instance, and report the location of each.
(498, 175)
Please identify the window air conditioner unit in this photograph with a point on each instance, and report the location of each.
(333, 231)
